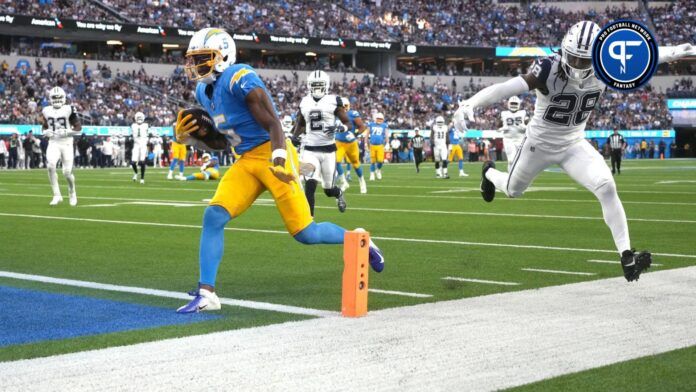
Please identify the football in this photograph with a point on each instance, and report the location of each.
(204, 121)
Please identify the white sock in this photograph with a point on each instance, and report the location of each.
(53, 179)
(71, 182)
(614, 215)
(498, 178)
(445, 170)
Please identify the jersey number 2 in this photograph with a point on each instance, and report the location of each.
(567, 104)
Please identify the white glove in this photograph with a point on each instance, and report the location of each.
(61, 132)
(677, 52)
(464, 112)
(48, 133)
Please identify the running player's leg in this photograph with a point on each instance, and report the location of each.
(68, 158)
(52, 157)
(353, 158)
(311, 179)
(528, 163)
(328, 171)
(587, 167)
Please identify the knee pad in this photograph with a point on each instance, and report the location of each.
(67, 172)
(215, 216)
(606, 188)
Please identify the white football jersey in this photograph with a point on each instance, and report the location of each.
(439, 135)
(563, 105)
(140, 134)
(513, 123)
(320, 119)
(59, 119)
(156, 142)
(288, 130)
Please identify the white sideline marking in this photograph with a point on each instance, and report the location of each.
(401, 293)
(676, 182)
(480, 281)
(479, 344)
(617, 262)
(530, 189)
(271, 203)
(168, 294)
(548, 271)
(421, 240)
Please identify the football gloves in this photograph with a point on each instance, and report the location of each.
(184, 126)
(677, 52)
(464, 112)
(283, 174)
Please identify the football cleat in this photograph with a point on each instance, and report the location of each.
(73, 198)
(375, 255)
(379, 174)
(204, 300)
(170, 176)
(142, 181)
(56, 200)
(348, 177)
(487, 186)
(372, 176)
(634, 264)
(363, 185)
(462, 174)
(135, 177)
(341, 202)
(344, 184)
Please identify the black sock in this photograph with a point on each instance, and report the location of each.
(309, 189)
(142, 170)
(437, 165)
(444, 164)
(135, 167)
(333, 192)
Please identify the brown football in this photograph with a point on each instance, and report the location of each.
(203, 120)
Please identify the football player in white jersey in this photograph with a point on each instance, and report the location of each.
(139, 130)
(317, 120)
(439, 137)
(60, 123)
(156, 142)
(286, 123)
(567, 92)
(514, 122)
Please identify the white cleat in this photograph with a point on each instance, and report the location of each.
(462, 174)
(203, 300)
(170, 176)
(56, 200)
(344, 185)
(73, 199)
(142, 181)
(379, 174)
(363, 185)
(135, 177)
(372, 176)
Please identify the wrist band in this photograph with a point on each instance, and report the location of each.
(279, 153)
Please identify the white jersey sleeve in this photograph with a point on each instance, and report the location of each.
(320, 119)
(563, 105)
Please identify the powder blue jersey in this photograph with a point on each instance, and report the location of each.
(225, 102)
(378, 133)
(349, 135)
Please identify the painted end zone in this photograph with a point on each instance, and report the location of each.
(30, 316)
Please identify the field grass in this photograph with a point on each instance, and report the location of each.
(428, 229)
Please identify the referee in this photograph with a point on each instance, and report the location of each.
(617, 145)
(417, 142)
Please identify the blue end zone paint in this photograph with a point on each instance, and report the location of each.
(28, 316)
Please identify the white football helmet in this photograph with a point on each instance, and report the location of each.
(57, 97)
(576, 50)
(139, 117)
(514, 103)
(439, 120)
(287, 121)
(205, 157)
(379, 117)
(346, 103)
(318, 84)
(210, 52)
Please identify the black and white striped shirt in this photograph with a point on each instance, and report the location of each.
(616, 142)
(418, 141)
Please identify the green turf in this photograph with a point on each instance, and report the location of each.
(671, 371)
(272, 267)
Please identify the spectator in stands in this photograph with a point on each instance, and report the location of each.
(3, 152)
(643, 149)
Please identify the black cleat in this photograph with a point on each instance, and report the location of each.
(633, 264)
(341, 202)
(487, 187)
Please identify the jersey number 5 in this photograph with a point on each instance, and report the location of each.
(567, 104)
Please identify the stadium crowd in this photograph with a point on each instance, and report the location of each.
(442, 22)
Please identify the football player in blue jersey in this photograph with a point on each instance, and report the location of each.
(347, 148)
(244, 116)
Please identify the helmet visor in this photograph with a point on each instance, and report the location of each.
(201, 63)
(577, 62)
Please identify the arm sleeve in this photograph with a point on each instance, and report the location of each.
(499, 91)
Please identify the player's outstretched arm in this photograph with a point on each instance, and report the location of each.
(340, 112)
(676, 52)
(75, 123)
(492, 94)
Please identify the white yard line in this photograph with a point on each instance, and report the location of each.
(482, 281)
(167, 294)
(548, 271)
(515, 200)
(271, 203)
(478, 344)
(415, 240)
(401, 293)
(617, 262)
